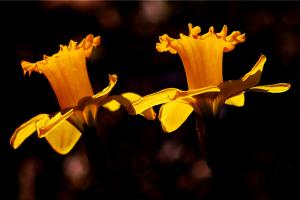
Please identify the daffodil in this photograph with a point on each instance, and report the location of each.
(202, 58)
(66, 71)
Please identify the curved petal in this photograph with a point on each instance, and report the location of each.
(25, 130)
(239, 100)
(173, 114)
(149, 113)
(46, 125)
(168, 95)
(253, 77)
(87, 44)
(235, 87)
(64, 137)
(112, 82)
(127, 99)
(89, 105)
(273, 88)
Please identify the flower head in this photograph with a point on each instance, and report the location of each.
(66, 71)
(201, 54)
(202, 57)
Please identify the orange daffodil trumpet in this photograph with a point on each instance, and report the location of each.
(66, 71)
(202, 57)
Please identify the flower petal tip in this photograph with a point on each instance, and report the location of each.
(112, 77)
(91, 41)
(13, 142)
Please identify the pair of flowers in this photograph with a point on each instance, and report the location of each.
(202, 57)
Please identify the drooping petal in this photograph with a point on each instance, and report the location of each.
(173, 114)
(273, 88)
(25, 130)
(63, 137)
(168, 95)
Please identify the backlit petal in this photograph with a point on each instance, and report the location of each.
(25, 130)
(173, 114)
(64, 137)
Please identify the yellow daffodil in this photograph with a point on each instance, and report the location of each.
(66, 71)
(202, 57)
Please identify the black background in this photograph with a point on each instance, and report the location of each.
(254, 149)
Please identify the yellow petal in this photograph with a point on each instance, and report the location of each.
(168, 95)
(29, 67)
(274, 88)
(237, 100)
(112, 105)
(64, 137)
(173, 114)
(88, 44)
(166, 44)
(235, 87)
(46, 125)
(249, 80)
(112, 82)
(127, 99)
(89, 105)
(149, 113)
(253, 77)
(25, 130)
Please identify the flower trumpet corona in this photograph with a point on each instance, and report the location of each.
(66, 71)
(202, 57)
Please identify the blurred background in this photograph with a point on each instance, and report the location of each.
(253, 150)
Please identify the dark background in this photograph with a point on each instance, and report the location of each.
(253, 150)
